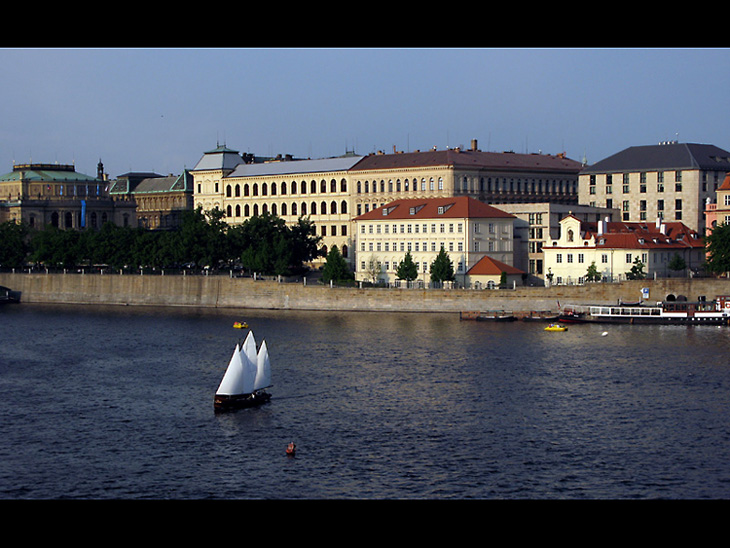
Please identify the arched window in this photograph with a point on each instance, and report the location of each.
(246, 211)
(294, 209)
(229, 212)
(343, 185)
(238, 210)
(228, 191)
(245, 190)
(264, 189)
(255, 210)
(255, 189)
(313, 210)
(283, 209)
(238, 190)
(273, 189)
(343, 206)
(333, 207)
(283, 188)
(304, 208)
(323, 186)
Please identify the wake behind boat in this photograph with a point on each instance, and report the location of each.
(246, 378)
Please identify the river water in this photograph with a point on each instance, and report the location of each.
(117, 403)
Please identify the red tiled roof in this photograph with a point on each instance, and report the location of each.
(726, 183)
(623, 235)
(488, 266)
(457, 207)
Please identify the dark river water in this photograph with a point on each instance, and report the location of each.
(117, 403)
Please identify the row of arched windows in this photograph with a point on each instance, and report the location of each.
(364, 187)
(273, 189)
(284, 209)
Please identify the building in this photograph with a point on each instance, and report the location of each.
(614, 247)
(160, 201)
(332, 191)
(718, 211)
(538, 224)
(670, 181)
(466, 228)
(490, 273)
(490, 177)
(57, 195)
(319, 189)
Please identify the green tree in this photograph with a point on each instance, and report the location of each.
(677, 263)
(336, 269)
(442, 268)
(637, 271)
(407, 269)
(592, 275)
(14, 244)
(717, 246)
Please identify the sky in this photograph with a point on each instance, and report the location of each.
(159, 110)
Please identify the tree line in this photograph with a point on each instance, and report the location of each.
(263, 244)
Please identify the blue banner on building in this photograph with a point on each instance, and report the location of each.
(83, 213)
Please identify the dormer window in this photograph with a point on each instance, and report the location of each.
(441, 210)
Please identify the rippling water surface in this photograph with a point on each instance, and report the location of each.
(116, 403)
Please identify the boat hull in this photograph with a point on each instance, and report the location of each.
(638, 320)
(223, 403)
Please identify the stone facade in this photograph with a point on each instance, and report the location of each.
(672, 181)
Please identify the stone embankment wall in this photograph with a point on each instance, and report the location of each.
(226, 292)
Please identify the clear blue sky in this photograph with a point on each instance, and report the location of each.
(160, 109)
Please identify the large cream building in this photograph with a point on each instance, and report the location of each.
(333, 191)
(465, 228)
(671, 181)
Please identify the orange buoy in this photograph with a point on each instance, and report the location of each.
(291, 449)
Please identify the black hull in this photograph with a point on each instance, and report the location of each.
(222, 404)
(485, 318)
(8, 296)
(692, 320)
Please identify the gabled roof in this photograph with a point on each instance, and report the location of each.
(172, 183)
(470, 159)
(459, 207)
(670, 156)
(486, 266)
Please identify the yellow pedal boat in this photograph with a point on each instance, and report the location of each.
(240, 325)
(556, 327)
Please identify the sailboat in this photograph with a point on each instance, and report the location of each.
(246, 378)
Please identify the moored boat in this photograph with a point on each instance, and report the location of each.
(8, 296)
(715, 312)
(496, 316)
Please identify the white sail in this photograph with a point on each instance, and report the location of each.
(233, 379)
(249, 347)
(263, 372)
(249, 372)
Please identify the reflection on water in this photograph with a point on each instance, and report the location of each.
(116, 402)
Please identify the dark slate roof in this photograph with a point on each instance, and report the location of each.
(165, 184)
(670, 156)
(475, 159)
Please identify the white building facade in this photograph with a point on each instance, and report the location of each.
(465, 228)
